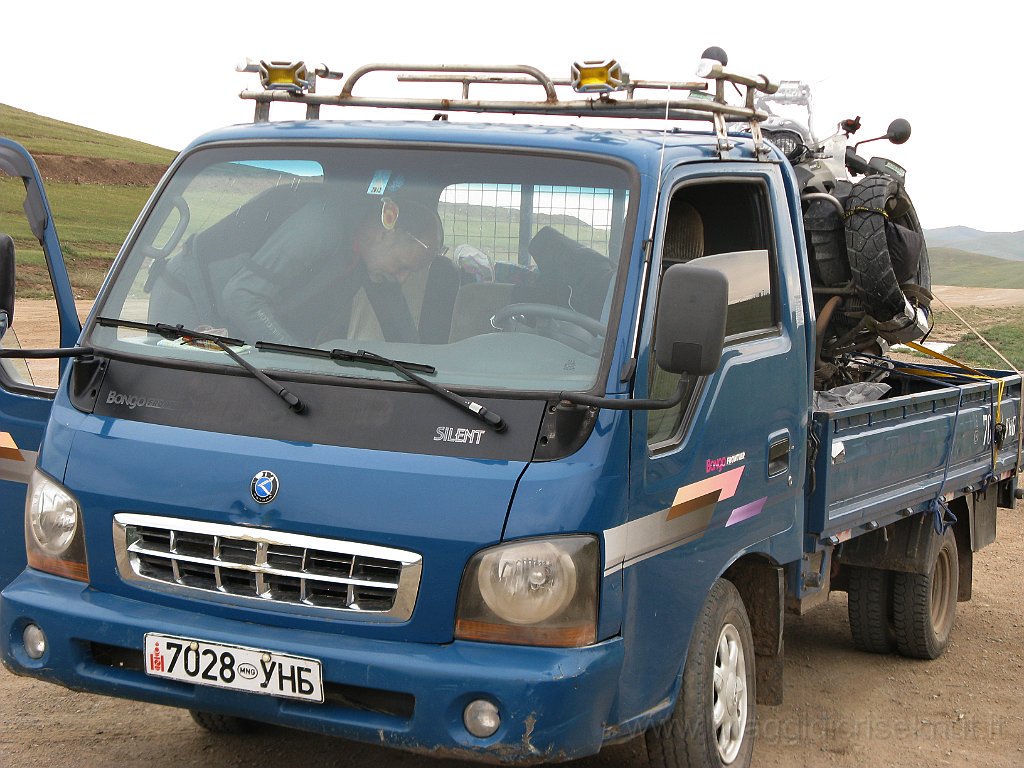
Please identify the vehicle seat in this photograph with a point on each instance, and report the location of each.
(570, 274)
(684, 235)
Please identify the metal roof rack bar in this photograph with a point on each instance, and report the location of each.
(709, 107)
(467, 80)
(539, 78)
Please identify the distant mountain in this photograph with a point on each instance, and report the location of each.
(1002, 245)
(955, 267)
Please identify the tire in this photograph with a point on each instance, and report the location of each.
(870, 610)
(712, 725)
(924, 605)
(867, 245)
(222, 724)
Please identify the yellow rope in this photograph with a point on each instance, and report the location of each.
(864, 209)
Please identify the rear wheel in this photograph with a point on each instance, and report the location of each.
(870, 610)
(215, 723)
(712, 725)
(924, 605)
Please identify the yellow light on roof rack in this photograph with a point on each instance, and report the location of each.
(598, 77)
(284, 76)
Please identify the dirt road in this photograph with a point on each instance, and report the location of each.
(959, 296)
(843, 709)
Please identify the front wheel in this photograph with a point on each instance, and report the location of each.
(712, 725)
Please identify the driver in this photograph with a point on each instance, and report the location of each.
(301, 285)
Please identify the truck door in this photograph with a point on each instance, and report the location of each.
(737, 437)
(719, 474)
(28, 240)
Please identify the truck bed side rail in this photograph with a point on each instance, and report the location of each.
(878, 461)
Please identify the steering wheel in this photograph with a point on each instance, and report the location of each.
(587, 323)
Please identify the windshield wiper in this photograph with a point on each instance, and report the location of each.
(223, 342)
(341, 355)
(401, 366)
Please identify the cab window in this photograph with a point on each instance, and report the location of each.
(724, 225)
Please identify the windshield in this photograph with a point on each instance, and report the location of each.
(494, 268)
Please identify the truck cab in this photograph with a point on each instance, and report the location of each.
(485, 440)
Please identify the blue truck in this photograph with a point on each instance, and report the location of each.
(498, 441)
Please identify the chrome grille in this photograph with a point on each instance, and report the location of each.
(235, 562)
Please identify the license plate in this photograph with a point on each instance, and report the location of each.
(235, 667)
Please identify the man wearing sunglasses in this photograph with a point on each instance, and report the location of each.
(305, 283)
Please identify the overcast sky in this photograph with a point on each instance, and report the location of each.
(164, 72)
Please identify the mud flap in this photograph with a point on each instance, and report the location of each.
(763, 588)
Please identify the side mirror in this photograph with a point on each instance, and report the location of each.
(898, 133)
(690, 325)
(6, 283)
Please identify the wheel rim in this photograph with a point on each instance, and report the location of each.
(730, 694)
(941, 588)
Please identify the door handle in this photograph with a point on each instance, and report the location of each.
(778, 456)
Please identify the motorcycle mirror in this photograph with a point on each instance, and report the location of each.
(899, 131)
(716, 54)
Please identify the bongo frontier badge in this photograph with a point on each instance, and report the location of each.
(264, 487)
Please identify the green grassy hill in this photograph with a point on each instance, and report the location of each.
(45, 135)
(96, 183)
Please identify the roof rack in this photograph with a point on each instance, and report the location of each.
(293, 83)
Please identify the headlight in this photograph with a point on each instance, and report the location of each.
(52, 516)
(54, 541)
(789, 142)
(532, 592)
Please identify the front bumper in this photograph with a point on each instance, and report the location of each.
(554, 703)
